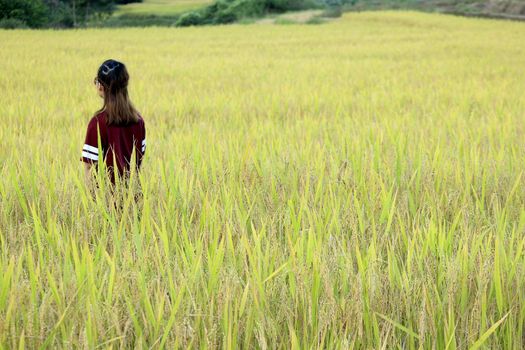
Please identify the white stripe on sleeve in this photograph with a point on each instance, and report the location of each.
(89, 156)
(144, 142)
(90, 149)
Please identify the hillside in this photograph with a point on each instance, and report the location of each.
(511, 9)
(167, 12)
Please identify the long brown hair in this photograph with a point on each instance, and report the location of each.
(114, 77)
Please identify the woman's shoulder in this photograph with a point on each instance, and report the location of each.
(99, 116)
(141, 119)
(98, 121)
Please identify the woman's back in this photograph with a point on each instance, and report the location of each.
(118, 142)
(120, 126)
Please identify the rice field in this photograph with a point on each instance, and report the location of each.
(352, 185)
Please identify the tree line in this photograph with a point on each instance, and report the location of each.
(54, 13)
(78, 13)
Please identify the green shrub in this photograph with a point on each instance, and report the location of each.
(189, 19)
(246, 8)
(291, 5)
(12, 23)
(32, 13)
(224, 17)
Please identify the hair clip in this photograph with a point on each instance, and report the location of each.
(106, 70)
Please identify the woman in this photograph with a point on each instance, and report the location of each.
(120, 126)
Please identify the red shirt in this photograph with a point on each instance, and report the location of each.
(118, 139)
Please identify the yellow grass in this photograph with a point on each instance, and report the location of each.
(357, 184)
